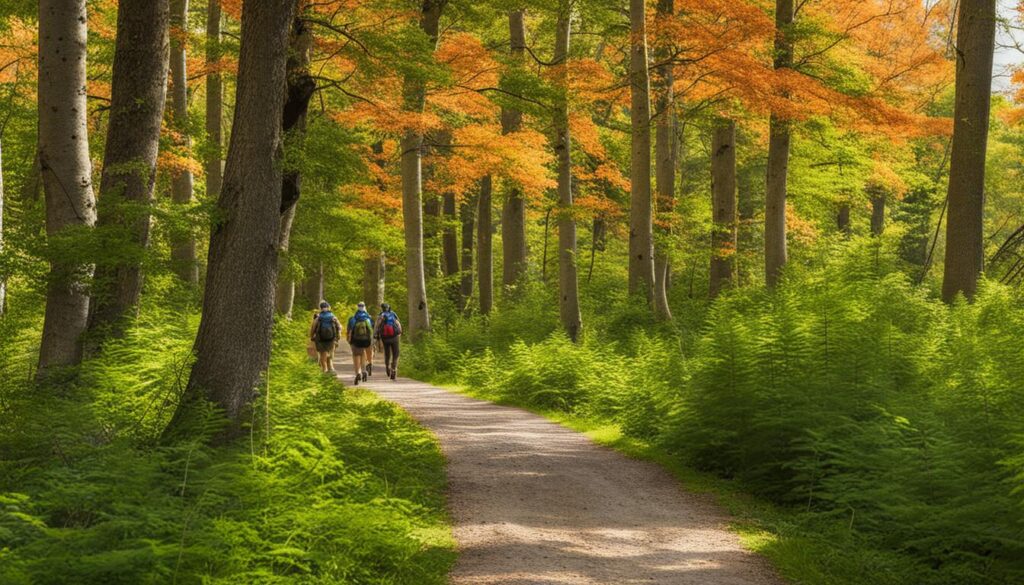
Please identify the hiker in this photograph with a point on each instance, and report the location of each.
(360, 338)
(388, 330)
(325, 332)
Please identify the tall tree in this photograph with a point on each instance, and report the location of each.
(664, 163)
(568, 281)
(374, 270)
(66, 172)
(449, 238)
(877, 212)
(975, 41)
(484, 247)
(513, 212)
(214, 101)
(723, 186)
(641, 227)
(183, 245)
(242, 263)
(138, 92)
(778, 155)
(468, 215)
(414, 94)
(3, 277)
(298, 90)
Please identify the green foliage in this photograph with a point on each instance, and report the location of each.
(329, 487)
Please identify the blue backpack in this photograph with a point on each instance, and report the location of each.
(325, 326)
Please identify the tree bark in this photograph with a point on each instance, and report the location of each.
(775, 254)
(374, 270)
(468, 213)
(568, 283)
(641, 226)
(67, 174)
(183, 245)
(723, 186)
(311, 290)
(299, 90)
(432, 218)
(484, 248)
(843, 220)
(242, 264)
(964, 260)
(138, 92)
(214, 102)
(450, 239)
(664, 167)
(513, 213)
(412, 185)
(877, 213)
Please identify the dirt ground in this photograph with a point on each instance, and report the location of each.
(533, 502)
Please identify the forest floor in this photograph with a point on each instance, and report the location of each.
(533, 502)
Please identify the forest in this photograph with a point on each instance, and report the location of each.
(774, 247)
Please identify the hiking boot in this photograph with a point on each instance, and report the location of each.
(387, 371)
(394, 374)
(357, 379)
(369, 369)
(364, 375)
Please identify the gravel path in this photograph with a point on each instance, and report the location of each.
(533, 502)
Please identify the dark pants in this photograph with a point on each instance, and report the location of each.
(391, 350)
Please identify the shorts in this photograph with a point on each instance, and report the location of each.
(323, 346)
(363, 344)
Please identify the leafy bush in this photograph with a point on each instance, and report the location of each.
(329, 487)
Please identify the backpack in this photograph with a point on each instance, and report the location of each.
(325, 327)
(389, 327)
(362, 330)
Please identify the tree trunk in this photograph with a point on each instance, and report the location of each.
(468, 212)
(432, 218)
(242, 264)
(138, 91)
(568, 283)
(664, 168)
(484, 249)
(299, 89)
(214, 102)
(843, 220)
(311, 290)
(412, 185)
(183, 245)
(723, 186)
(778, 157)
(450, 239)
(513, 212)
(878, 213)
(374, 270)
(641, 227)
(67, 174)
(966, 194)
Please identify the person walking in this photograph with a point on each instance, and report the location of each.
(360, 338)
(325, 332)
(388, 330)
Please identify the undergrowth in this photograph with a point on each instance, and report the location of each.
(882, 429)
(330, 486)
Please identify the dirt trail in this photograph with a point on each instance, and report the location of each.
(533, 502)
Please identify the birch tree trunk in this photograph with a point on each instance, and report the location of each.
(568, 282)
(641, 227)
(484, 248)
(664, 168)
(513, 212)
(412, 186)
(374, 269)
(183, 245)
(242, 264)
(66, 173)
(138, 92)
(775, 254)
(723, 186)
(299, 90)
(965, 244)
(214, 102)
